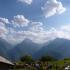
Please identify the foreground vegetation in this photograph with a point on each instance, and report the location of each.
(45, 63)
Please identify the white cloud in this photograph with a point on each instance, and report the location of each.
(65, 27)
(20, 20)
(64, 32)
(3, 29)
(36, 26)
(4, 20)
(33, 31)
(26, 1)
(52, 7)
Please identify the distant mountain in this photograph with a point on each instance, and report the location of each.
(58, 48)
(4, 48)
(27, 47)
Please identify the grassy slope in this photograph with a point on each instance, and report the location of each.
(60, 64)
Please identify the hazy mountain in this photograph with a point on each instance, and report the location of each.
(27, 47)
(4, 48)
(58, 48)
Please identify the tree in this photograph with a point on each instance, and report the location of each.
(27, 59)
(47, 58)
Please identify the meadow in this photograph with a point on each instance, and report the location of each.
(45, 63)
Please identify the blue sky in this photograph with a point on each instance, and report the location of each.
(10, 8)
(22, 19)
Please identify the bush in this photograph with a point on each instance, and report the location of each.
(47, 58)
(26, 59)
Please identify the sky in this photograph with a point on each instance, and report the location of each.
(37, 20)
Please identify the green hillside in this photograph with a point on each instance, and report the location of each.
(45, 63)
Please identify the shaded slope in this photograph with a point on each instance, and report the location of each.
(58, 48)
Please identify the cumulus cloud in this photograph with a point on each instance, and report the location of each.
(64, 32)
(4, 20)
(53, 7)
(3, 29)
(26, 1)
(33, 31)
(20, 20)
(36, 26)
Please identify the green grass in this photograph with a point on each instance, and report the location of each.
(59, 63)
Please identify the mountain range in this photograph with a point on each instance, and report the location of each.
(58, 48)
(4, 48)
(27, 47)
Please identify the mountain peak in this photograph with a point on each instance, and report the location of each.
(58, 48)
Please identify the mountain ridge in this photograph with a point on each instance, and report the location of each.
(58, 47)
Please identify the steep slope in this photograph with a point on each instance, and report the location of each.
(58, 48)
(4, 48)
(27, 47)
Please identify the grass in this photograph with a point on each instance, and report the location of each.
(60, 65)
